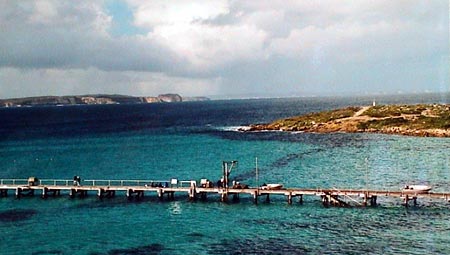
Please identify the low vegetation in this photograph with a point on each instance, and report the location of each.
(312, 119)
(418, 120)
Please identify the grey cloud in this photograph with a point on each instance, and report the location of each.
(75, 38)
(309, 47)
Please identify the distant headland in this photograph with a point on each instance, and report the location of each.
(412, 120)
(95, 99)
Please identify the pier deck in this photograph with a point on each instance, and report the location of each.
(137, 188)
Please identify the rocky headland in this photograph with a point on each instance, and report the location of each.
(412, 120)
(95, 99)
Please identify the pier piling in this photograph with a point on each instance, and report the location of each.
(18, 193)
(224, 196)
(290, 198)
(3, 192)
(255, 197)
(44, 193)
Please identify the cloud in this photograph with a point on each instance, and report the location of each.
(182, 26)
(174, 12)
(58, 34)
(275, 46)
(207, 47)
(16, 82)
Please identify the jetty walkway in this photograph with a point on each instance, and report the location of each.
(135, 189)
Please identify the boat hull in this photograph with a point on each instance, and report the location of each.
(416, 189)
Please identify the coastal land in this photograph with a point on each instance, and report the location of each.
(412, 120)
(95, 99)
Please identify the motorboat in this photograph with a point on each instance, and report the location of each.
(272, 186)
(416, 189)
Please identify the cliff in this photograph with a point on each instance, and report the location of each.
(89, 99)
(412, 120)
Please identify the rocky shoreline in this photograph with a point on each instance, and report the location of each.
(410, 120)
(95, 99)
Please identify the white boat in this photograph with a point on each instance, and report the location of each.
(272, 186)
(416, 189)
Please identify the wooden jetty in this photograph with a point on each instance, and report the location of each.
(135, 189)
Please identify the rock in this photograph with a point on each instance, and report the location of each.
(151, 100)
(92, 99)
(170, 98)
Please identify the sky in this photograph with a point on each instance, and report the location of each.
(224, 48)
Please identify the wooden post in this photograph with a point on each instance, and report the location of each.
(192, 193)
(255, 197)
(129, 194)
(406, 200)
(160, 194)
(18, 193)
(373, 201)
(224, 197)
(300, 200)
(100, 193)
(267, 198)
(325, 200)
(415, 201)
(290, 198)
(44, 192)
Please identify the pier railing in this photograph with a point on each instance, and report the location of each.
(64, 182)
(13, 181)
(149, 183)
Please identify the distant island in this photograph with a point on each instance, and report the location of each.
(412, 120)
(95, 99)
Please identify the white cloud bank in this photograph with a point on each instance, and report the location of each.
(225, 47)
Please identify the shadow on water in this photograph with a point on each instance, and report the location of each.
(16, 215)
(152, 249)
(329, 140)
(117, 202)
(196, 235)
(106, 203)
(284, 161)
(56, 252)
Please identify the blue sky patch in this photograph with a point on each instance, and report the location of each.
(122, 19)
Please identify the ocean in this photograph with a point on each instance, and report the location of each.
(189, 141)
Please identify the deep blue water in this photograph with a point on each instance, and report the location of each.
(189, 141)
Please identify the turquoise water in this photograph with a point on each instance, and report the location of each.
(193, 151)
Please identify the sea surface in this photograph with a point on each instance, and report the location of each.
(189, 141)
